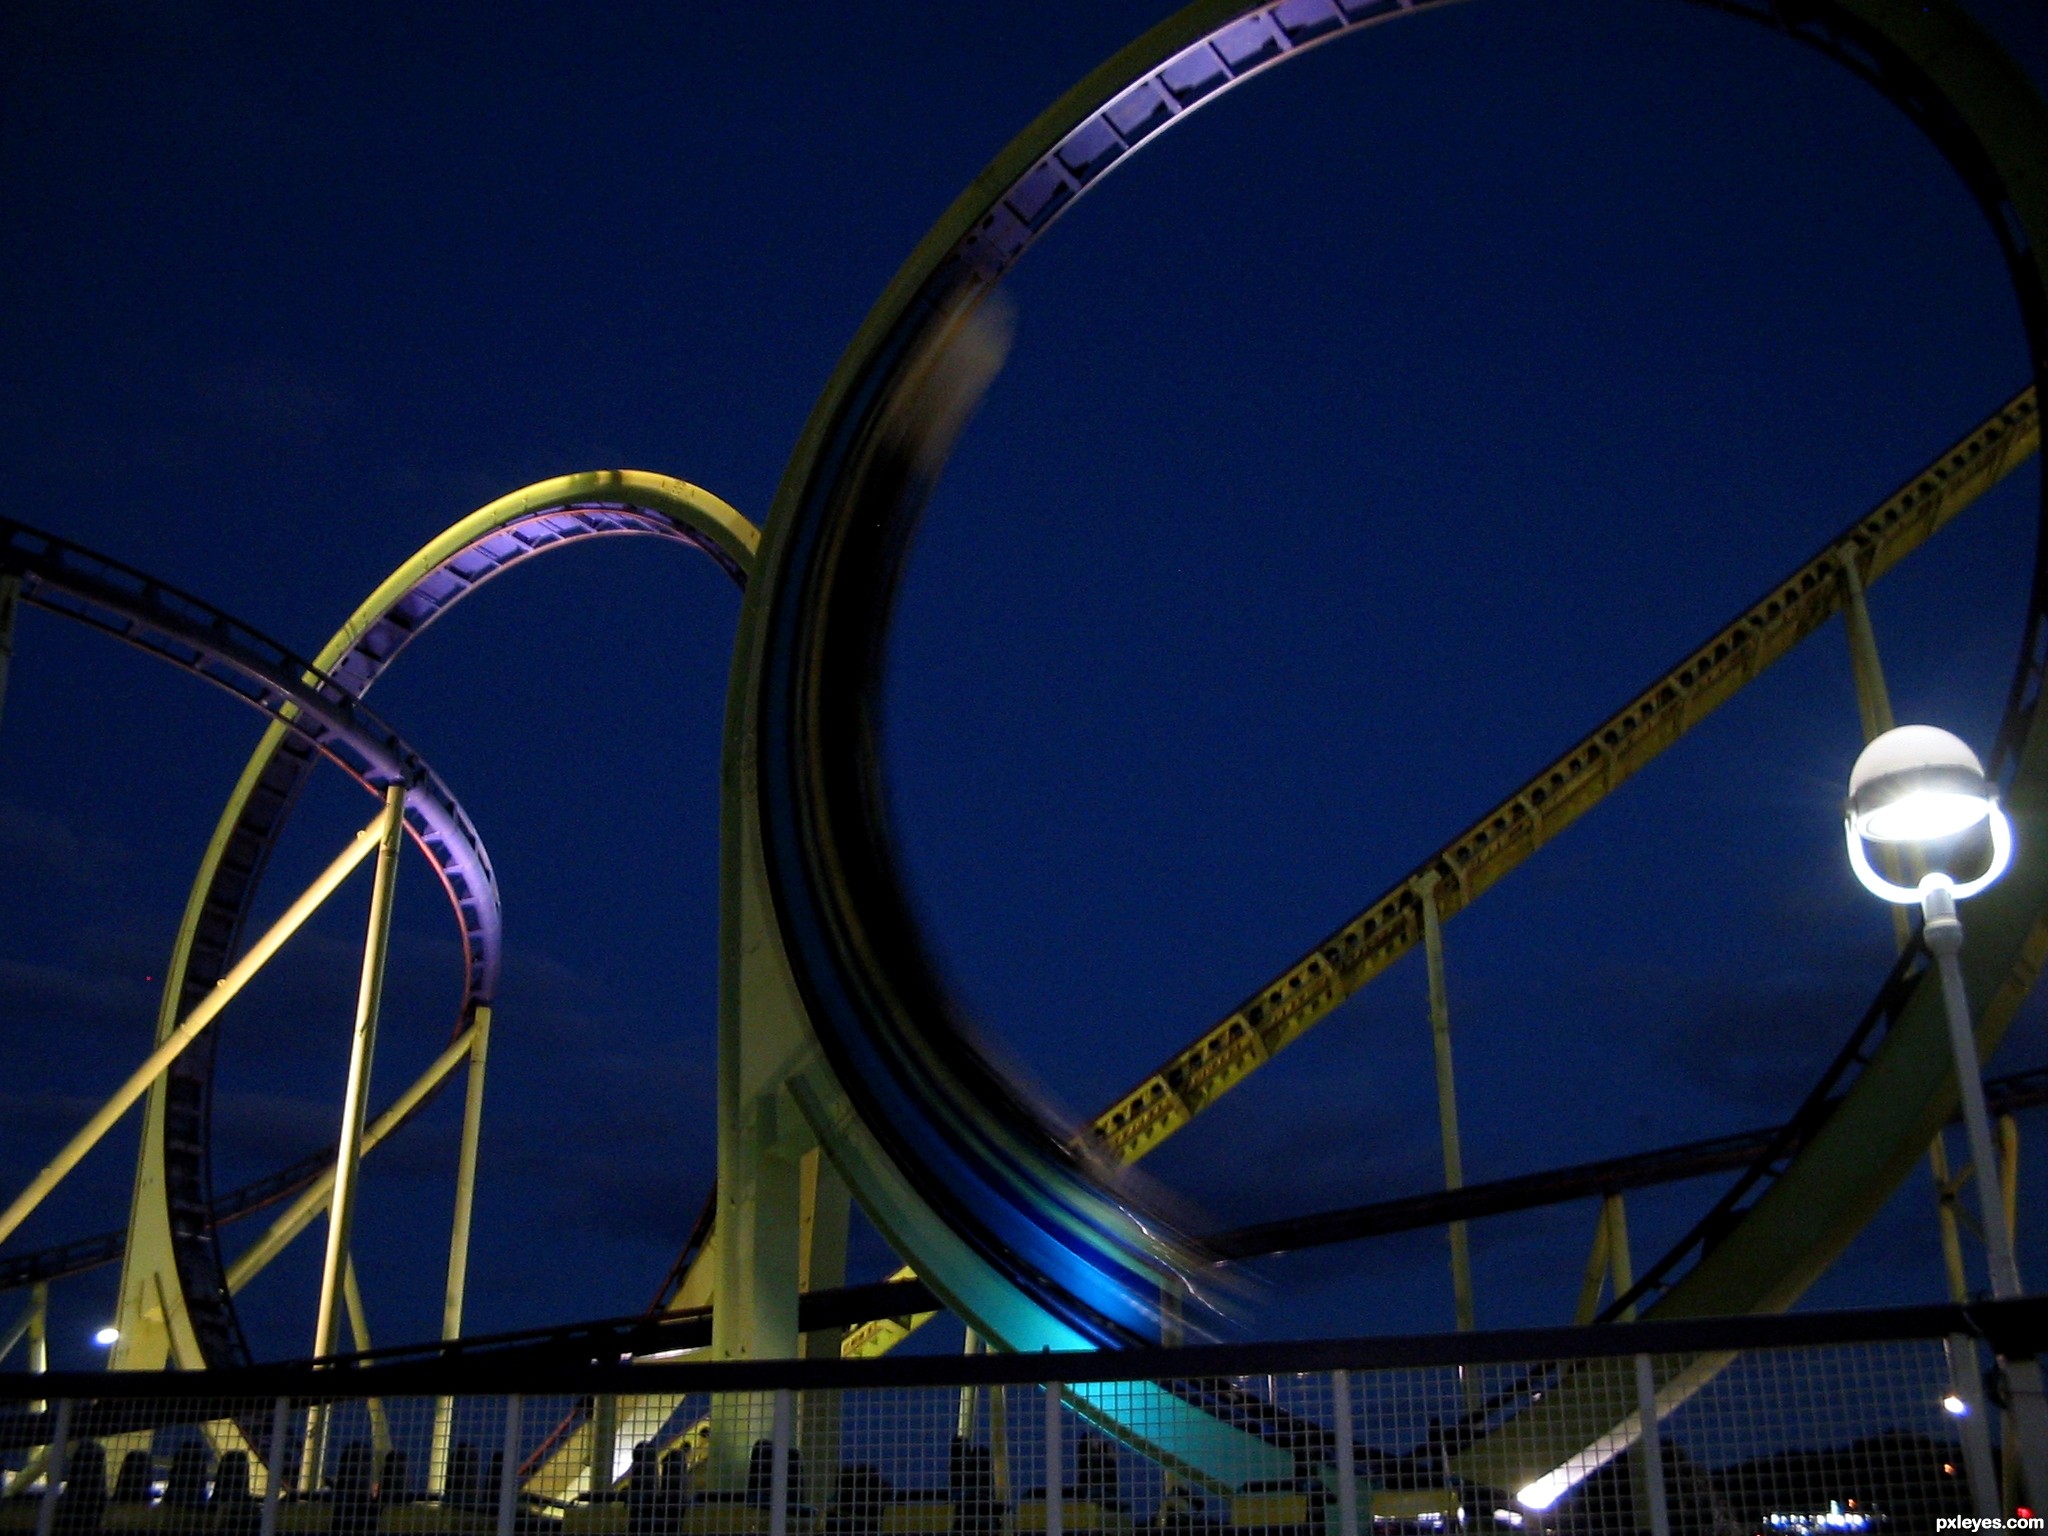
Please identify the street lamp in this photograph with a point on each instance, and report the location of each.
(1920, 791)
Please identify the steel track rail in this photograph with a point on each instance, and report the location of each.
(1380, 1218)
(61, 1260)
(1007, 1222)
(313, 710)
(64, 578)
(1314, 986)
(172, 1251)
(1553, 1186)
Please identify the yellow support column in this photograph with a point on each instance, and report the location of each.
(302, 1212)
(824, 1212)
(174, 1044)
(1946, 1188)
(1596, 1272)
(359, 1329)
(355, 1112)
(18, 1329)
(355, 1102)
(39, 1327)
(458, 1237)
(1621, 1272)
(603, 1454)
(963, 1426)
(1446, 1097)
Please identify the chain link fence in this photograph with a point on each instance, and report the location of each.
(1896, 1433)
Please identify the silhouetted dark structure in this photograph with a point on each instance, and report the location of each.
(643, 1492)
(971, 1480)
(355, 1500)
(132, 1486)
(84, 1498)
(1095, 1474)
(465, 1474)
(858, 1494)
(185, 1486)
(235, 1509)
(675, 1488)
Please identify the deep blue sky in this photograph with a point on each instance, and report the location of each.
(1365, 440)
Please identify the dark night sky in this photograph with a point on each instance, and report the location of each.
(1365, 441)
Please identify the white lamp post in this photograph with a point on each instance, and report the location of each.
(1918, 790)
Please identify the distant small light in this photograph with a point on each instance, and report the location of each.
(1955, 1405)
(107, 1338)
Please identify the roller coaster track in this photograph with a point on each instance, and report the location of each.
(1619, 747)
(1005, 1221)
(175, 1299)
(314, 712)
(1002, 1219)
(1407, 1213)
(61, 1260)
(1308, 991)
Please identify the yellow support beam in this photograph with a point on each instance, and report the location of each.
(27, 1325)
(1312, 988)
(478, 1035)
(204, 1014)
(312, 1202)
(355, 1101)
(1308, 991)
(1596, 1273)
(1446, 1099)
(1620, 1269)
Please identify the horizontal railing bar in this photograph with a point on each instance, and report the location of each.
(2016, 1329)
(1552, 1186)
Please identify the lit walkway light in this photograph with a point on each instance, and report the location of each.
(107, 1338)
(1919, 790)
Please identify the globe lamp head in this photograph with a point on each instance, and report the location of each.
(1915, 788)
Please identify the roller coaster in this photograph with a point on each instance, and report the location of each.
(843, 1074)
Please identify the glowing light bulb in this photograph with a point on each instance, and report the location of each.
(1925, 816)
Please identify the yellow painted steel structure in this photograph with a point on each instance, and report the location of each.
(155, 1329)
(144, 1077)
(768, 1153)
(311, 1203)
(1311, 989)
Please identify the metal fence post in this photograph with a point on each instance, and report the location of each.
(508, 1473)
(273, 1482)
(1347, 1476)
(1966, 1380)
(53, 1468)
(1652, 1446)
(1055, 1491)
(2030, 1425)
(778, 1465)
